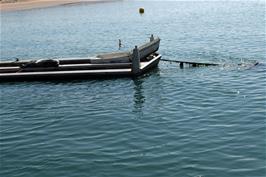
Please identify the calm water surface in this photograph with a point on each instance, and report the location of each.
(171, 122)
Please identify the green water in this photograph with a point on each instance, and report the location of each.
(207, 121)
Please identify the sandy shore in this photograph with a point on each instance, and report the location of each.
(13, 5)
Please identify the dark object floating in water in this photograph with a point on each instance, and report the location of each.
(256, 63)
(40, 64)
(120, 64)
(141, 10)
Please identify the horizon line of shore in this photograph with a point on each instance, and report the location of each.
(16, 5)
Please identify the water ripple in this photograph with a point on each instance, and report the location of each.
(206, 121)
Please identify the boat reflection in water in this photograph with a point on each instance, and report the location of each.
(139, 98)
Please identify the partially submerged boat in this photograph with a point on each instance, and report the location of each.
(120, 64)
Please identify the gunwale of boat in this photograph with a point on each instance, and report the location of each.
(114, 57)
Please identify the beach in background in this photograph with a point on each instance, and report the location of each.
(13, 5)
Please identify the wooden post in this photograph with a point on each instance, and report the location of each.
(136, 61)
(119, 44)
(151, 38)
(181, 65)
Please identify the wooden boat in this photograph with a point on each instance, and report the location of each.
(120, 64)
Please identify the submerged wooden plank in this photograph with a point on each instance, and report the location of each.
(194, 64)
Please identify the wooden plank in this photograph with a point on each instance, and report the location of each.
(194, 64)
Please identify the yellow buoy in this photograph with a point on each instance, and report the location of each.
(141, 10)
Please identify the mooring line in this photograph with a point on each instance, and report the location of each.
(195, 64)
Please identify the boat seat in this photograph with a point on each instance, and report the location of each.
(118, 57)
(113, 55)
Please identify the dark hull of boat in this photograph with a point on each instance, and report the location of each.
(80, 74)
